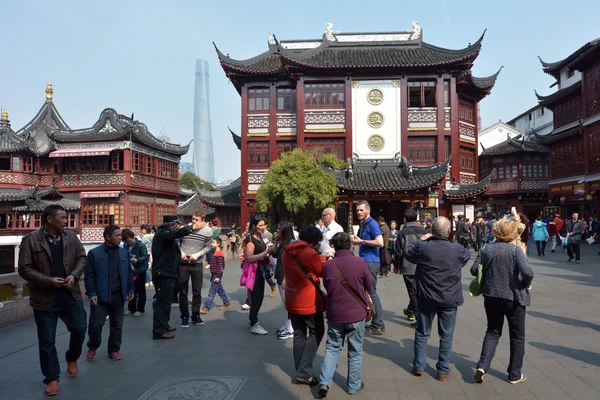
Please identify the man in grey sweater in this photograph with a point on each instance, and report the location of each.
(193, 248)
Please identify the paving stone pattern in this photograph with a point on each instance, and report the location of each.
(222, 360)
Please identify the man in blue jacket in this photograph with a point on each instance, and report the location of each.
(108, 283)
(439, 291)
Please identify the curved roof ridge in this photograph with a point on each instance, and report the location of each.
(488, 81)
(48, 106)
(559, 94)
(468, 49)
(249, 61)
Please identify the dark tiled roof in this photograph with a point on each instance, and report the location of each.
(389, 177)
(230, 196)
(40, 204)
(554, 68)
(514, 146)
(555, 137)
(36, 131)
(114, 126)
(236, 139)
(559, 95)
(193, 204)
(478, 87)
(353, 57)
(9, 140)
(331, 55)
(463, 191)
(15, 194)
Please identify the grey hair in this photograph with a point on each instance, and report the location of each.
(329, 211)
(441, 227)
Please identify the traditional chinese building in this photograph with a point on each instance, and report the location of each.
(401, 111)
(116, 171)
(222, 203)
(575, 140)
(520, 171)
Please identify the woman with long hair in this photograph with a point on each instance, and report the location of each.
(506, 284)
(257, 251)
(285, 235)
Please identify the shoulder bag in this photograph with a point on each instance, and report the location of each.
(476, 285)
(316, 284)
(367, 305)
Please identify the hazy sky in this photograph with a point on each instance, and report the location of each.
(139, 56)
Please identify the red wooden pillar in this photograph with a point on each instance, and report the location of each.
(300, 104)
(476, 129)
(272, 122)
(244, 157)
(404, 117)
(348, 118)
(127, 210)
(439, 100)
(455, 134)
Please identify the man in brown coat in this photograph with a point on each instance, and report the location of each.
(52, 260)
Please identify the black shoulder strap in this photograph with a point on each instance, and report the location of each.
(349, 288)
(307, 275)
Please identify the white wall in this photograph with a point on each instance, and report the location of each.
(389, 108)
(495, 134)
(540, 124)
(565, 81)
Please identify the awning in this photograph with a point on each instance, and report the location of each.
(105, 151)
(99, 195)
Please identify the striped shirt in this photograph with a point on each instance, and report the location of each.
(198, 241)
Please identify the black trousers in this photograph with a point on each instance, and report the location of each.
(496, 309)
(98, 312)
(574, 248)
(385, 268)
(409, 281)
(257, 295)
(308, 333)
(186, 272)
(162, 304)
(72, 313)
(541, 247)
(138, 303)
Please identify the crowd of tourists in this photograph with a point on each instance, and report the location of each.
(315, 271)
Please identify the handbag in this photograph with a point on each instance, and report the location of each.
(367, 305)
(476, 285)
(385, 256)
(317, 285)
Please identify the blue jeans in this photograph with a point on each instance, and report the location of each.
(214, 289)
(336, 333)
(446, 324)
(378, 312)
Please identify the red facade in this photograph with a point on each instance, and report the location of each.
(303, 94)
(115, 172)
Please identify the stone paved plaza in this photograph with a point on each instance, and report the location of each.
(222, 360)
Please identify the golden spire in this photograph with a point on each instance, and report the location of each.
(49, 90)
(4, 115)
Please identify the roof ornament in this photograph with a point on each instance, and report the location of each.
(329, 33)
(4, 115)
(416, 31)
(272, 39)
(49, 90)
(405, 167)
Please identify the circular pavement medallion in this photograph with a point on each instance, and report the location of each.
(375, 119)
(375, 96)
(376, 142)
(192, 389)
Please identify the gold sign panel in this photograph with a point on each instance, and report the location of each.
(376, 142)
(375, 96)
(375, 119)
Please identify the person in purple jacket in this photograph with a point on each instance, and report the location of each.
(345, 315)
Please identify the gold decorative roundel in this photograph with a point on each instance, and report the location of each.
(375, 96)
(376, 142)
(375, 119)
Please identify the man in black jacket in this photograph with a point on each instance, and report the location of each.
(574, 230)
(166, 256)
(462, 232)
(410, 233)
(439, 292)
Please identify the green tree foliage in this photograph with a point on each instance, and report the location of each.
(297, 188)
(331, 161)
(191, 181)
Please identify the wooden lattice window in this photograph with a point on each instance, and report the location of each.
(258, 154)
(422, 149)
(164, 209)
(100, 213)
(139, 214)
(28, 164)
(135, 161)
(284, 147)
(467, 159)
(324, 95)
(258, 100)
(286, 100)
(421, 94)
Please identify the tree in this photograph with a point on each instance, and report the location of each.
(297, 188)
(191, 181)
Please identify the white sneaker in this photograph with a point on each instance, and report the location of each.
(479, 374)
(285, 335)
(258, 330)
(523, 379)
(245, 306)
